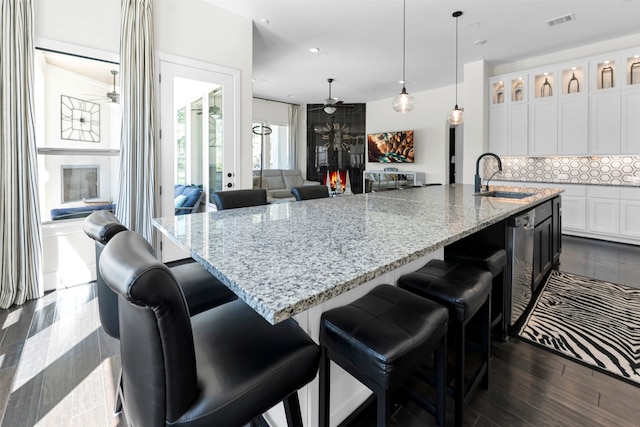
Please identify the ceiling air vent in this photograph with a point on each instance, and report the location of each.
(561, 20)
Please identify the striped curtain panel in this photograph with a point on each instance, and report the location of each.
(294, 134)
(135, 202)
(20, 233)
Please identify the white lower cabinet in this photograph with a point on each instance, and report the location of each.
(574, 211)
(597, 211)
(604, 215)
(630, 212)
(630, 218)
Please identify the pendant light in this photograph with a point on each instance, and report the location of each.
(403, 102)
(456, 116)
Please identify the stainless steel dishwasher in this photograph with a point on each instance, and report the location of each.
(520, 233)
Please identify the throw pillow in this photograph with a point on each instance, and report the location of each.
(179, 200)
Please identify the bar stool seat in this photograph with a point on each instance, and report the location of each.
(487, 257)
(466, 291)
(381, 339)
(493, 259)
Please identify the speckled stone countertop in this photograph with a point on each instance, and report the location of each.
(285, 258)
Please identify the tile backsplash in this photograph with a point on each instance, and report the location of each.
(602, 170)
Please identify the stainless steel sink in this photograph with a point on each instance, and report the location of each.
(505, 194)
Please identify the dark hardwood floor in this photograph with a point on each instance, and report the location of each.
(58, 368)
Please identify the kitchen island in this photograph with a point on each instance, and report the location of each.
(302, 258)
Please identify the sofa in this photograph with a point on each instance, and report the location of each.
(187, 198)
(79, 212)
(279, 182)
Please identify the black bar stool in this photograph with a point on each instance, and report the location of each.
(201, 290)
(381, 339)
(223, 367)
(309, 192)
(466, 291)
(493, 259)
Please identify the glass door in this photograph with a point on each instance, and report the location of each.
(198, 144)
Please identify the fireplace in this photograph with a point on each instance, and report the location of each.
(333, 178)
(80, 182)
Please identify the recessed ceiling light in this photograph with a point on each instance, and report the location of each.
(479, 42)
(314, 49)
(264, 20)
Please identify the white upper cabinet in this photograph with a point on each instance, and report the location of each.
(573, 109)
(630, 103)
(604, 105)
(604, 123)
(508, 117)
(543, 113)
(584, 107)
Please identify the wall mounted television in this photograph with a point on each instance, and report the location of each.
(391, 147)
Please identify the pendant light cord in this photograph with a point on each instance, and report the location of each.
(404, 40)
(457, 61)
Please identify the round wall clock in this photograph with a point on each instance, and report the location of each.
(79, 119)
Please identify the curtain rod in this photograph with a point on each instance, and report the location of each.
(273, 100)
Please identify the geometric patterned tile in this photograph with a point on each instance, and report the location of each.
(609, 170)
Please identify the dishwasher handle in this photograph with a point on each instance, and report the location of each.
(525, 221)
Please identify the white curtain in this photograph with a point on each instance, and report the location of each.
(294, 135)
(20, 234)
(136, 203)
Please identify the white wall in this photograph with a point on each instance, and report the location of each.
(602, 47)
(203, 32)
(429, 122)
(192, 29)
(475, 127)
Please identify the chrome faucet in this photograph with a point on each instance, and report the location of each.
(478, 182)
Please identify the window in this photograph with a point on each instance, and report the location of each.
(277, 152)
(77, 133)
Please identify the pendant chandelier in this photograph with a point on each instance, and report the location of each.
(403, 102)
(456, 116)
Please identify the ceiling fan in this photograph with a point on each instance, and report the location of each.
(331, 104)
(113, 96)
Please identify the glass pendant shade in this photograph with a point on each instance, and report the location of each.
(456, 116)
(403, 102)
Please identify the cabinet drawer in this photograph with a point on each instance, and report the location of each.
(604, 192)
(630, 193)
(543, 211)
(574, 190)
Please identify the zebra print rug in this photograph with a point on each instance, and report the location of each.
(593, 322)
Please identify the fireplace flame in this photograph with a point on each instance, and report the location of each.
(333, 180)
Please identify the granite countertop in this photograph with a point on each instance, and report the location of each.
(285, 258)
